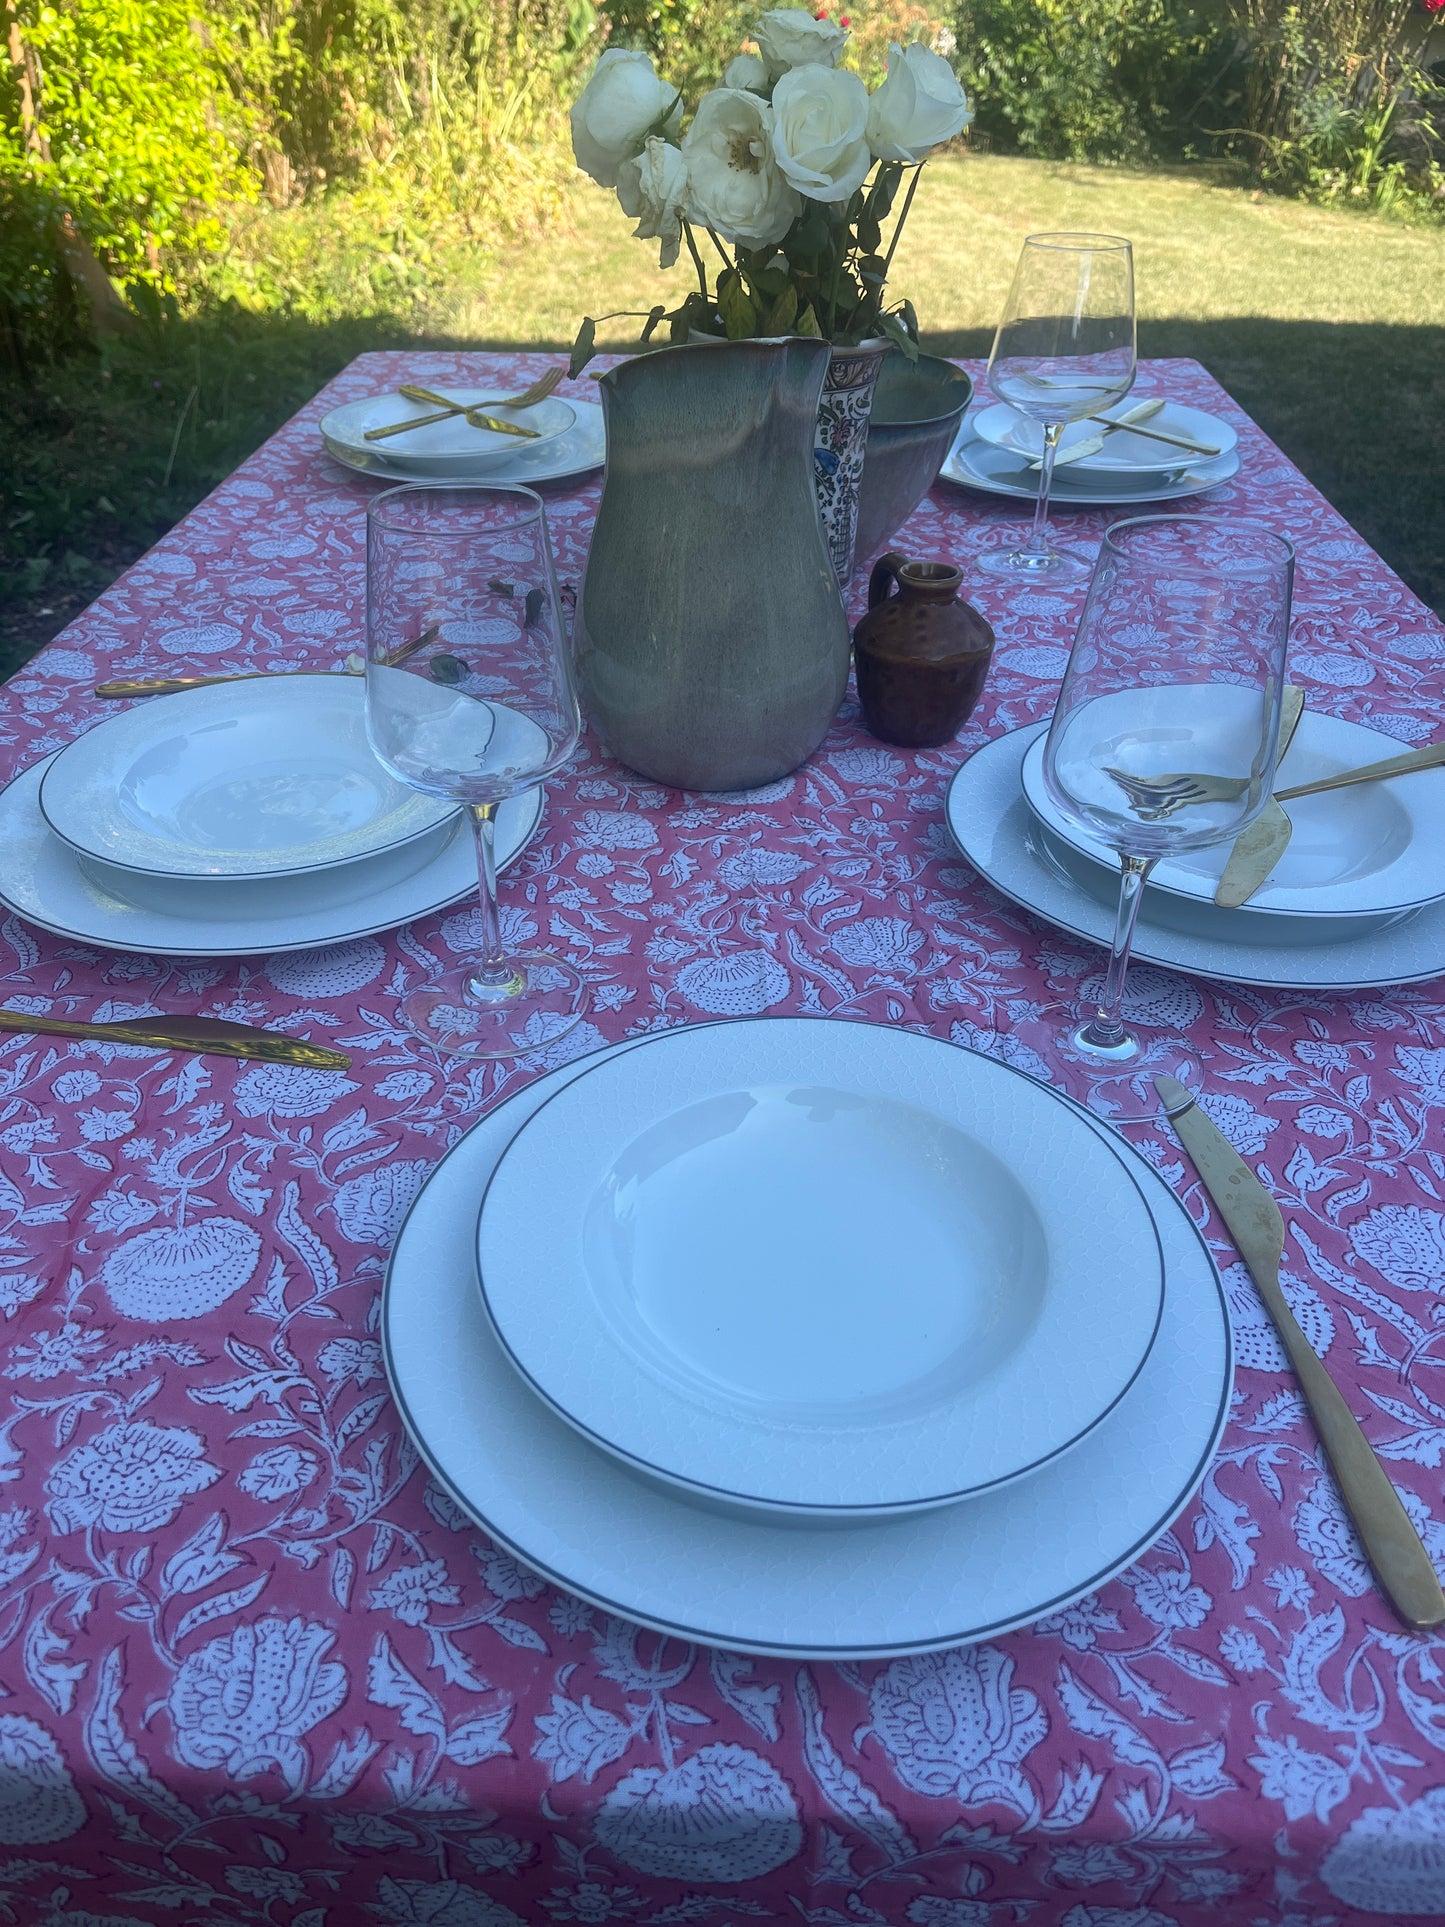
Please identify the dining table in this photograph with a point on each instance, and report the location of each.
(258, 1667)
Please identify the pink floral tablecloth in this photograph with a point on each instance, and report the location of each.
(257, 1669)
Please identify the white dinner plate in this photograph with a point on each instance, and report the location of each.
(795, 1263)
(267, 777)
(998, 833)
(1124, 453)
(975, 463)
(1373, 852)
(581, 450)
(584, 1521)
(451, 447)
(42, 880)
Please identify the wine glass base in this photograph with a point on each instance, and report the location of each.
(461, 1017)
(1116, 1085)
(1025, 565)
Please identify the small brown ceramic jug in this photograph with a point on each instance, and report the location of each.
(922, 655)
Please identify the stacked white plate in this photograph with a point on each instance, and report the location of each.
(1357, 899)
(569, 440)
(807, 1337)
(234, 820)
(997, 449)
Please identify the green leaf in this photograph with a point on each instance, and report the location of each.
(811, 235)
(740, 317)
(890, 325)
(807, 324)
(870, 234)
(873, 271)
(584, 347)
(654, 316)
(885, 189)
(780, 317)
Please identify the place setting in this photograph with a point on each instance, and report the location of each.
(244, 815)
(1319, 869)
(416, 433)
(1064, 429)
(670, 1389)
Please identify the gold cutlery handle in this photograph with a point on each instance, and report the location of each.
(1158, 435)
(192, 1034)
(1432, 756)
(416, 421)
(475, 419)
(1394, 1546)
(170, 685)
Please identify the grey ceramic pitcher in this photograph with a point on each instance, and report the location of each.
(712, 646)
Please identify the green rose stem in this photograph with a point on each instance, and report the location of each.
(696, 257)
(897, 233)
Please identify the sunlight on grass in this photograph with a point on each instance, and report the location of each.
(1203, 251)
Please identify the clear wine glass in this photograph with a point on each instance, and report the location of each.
(1176, 672)
(469, 694)
(1064, 350)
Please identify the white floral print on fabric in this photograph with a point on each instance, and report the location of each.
(38, 1800)
(725, 1814)
(247, 1700)
(282, 1675)
(129, 1478)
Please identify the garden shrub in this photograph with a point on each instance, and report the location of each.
(1104, 80)
(1334, 103)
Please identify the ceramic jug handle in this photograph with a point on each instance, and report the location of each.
(885, 574)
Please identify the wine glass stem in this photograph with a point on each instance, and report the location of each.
(1105, 1029)
(494, 975)
(1038, 542)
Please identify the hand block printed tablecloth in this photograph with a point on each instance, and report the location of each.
(256, 1669)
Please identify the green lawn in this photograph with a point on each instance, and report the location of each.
(1329, 327)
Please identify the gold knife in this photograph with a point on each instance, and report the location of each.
(214, 1036)
(1260, 846)
(1401, 1562)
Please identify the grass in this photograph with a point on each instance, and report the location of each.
(1328, 326)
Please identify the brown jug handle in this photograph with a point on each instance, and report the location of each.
(885, 574)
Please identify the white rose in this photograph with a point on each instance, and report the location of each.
(788, 37)
(734, 184)
(820, 120)
(653, 192)
(919, 106)
(621, 104)
(746, 72)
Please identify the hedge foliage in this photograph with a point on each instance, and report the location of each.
(323, 154)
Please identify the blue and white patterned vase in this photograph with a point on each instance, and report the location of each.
(839, 445)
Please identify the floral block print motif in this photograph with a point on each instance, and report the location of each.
(260, 1671)
(839, 446)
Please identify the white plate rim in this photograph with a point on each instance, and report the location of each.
(590, 422)
(1169, 949)
(955, 469)
(1058, 825)
(730, 1639)
(824, 1508)
(479, 462)
(453, 891)
(1095, 464)
(155, 706)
